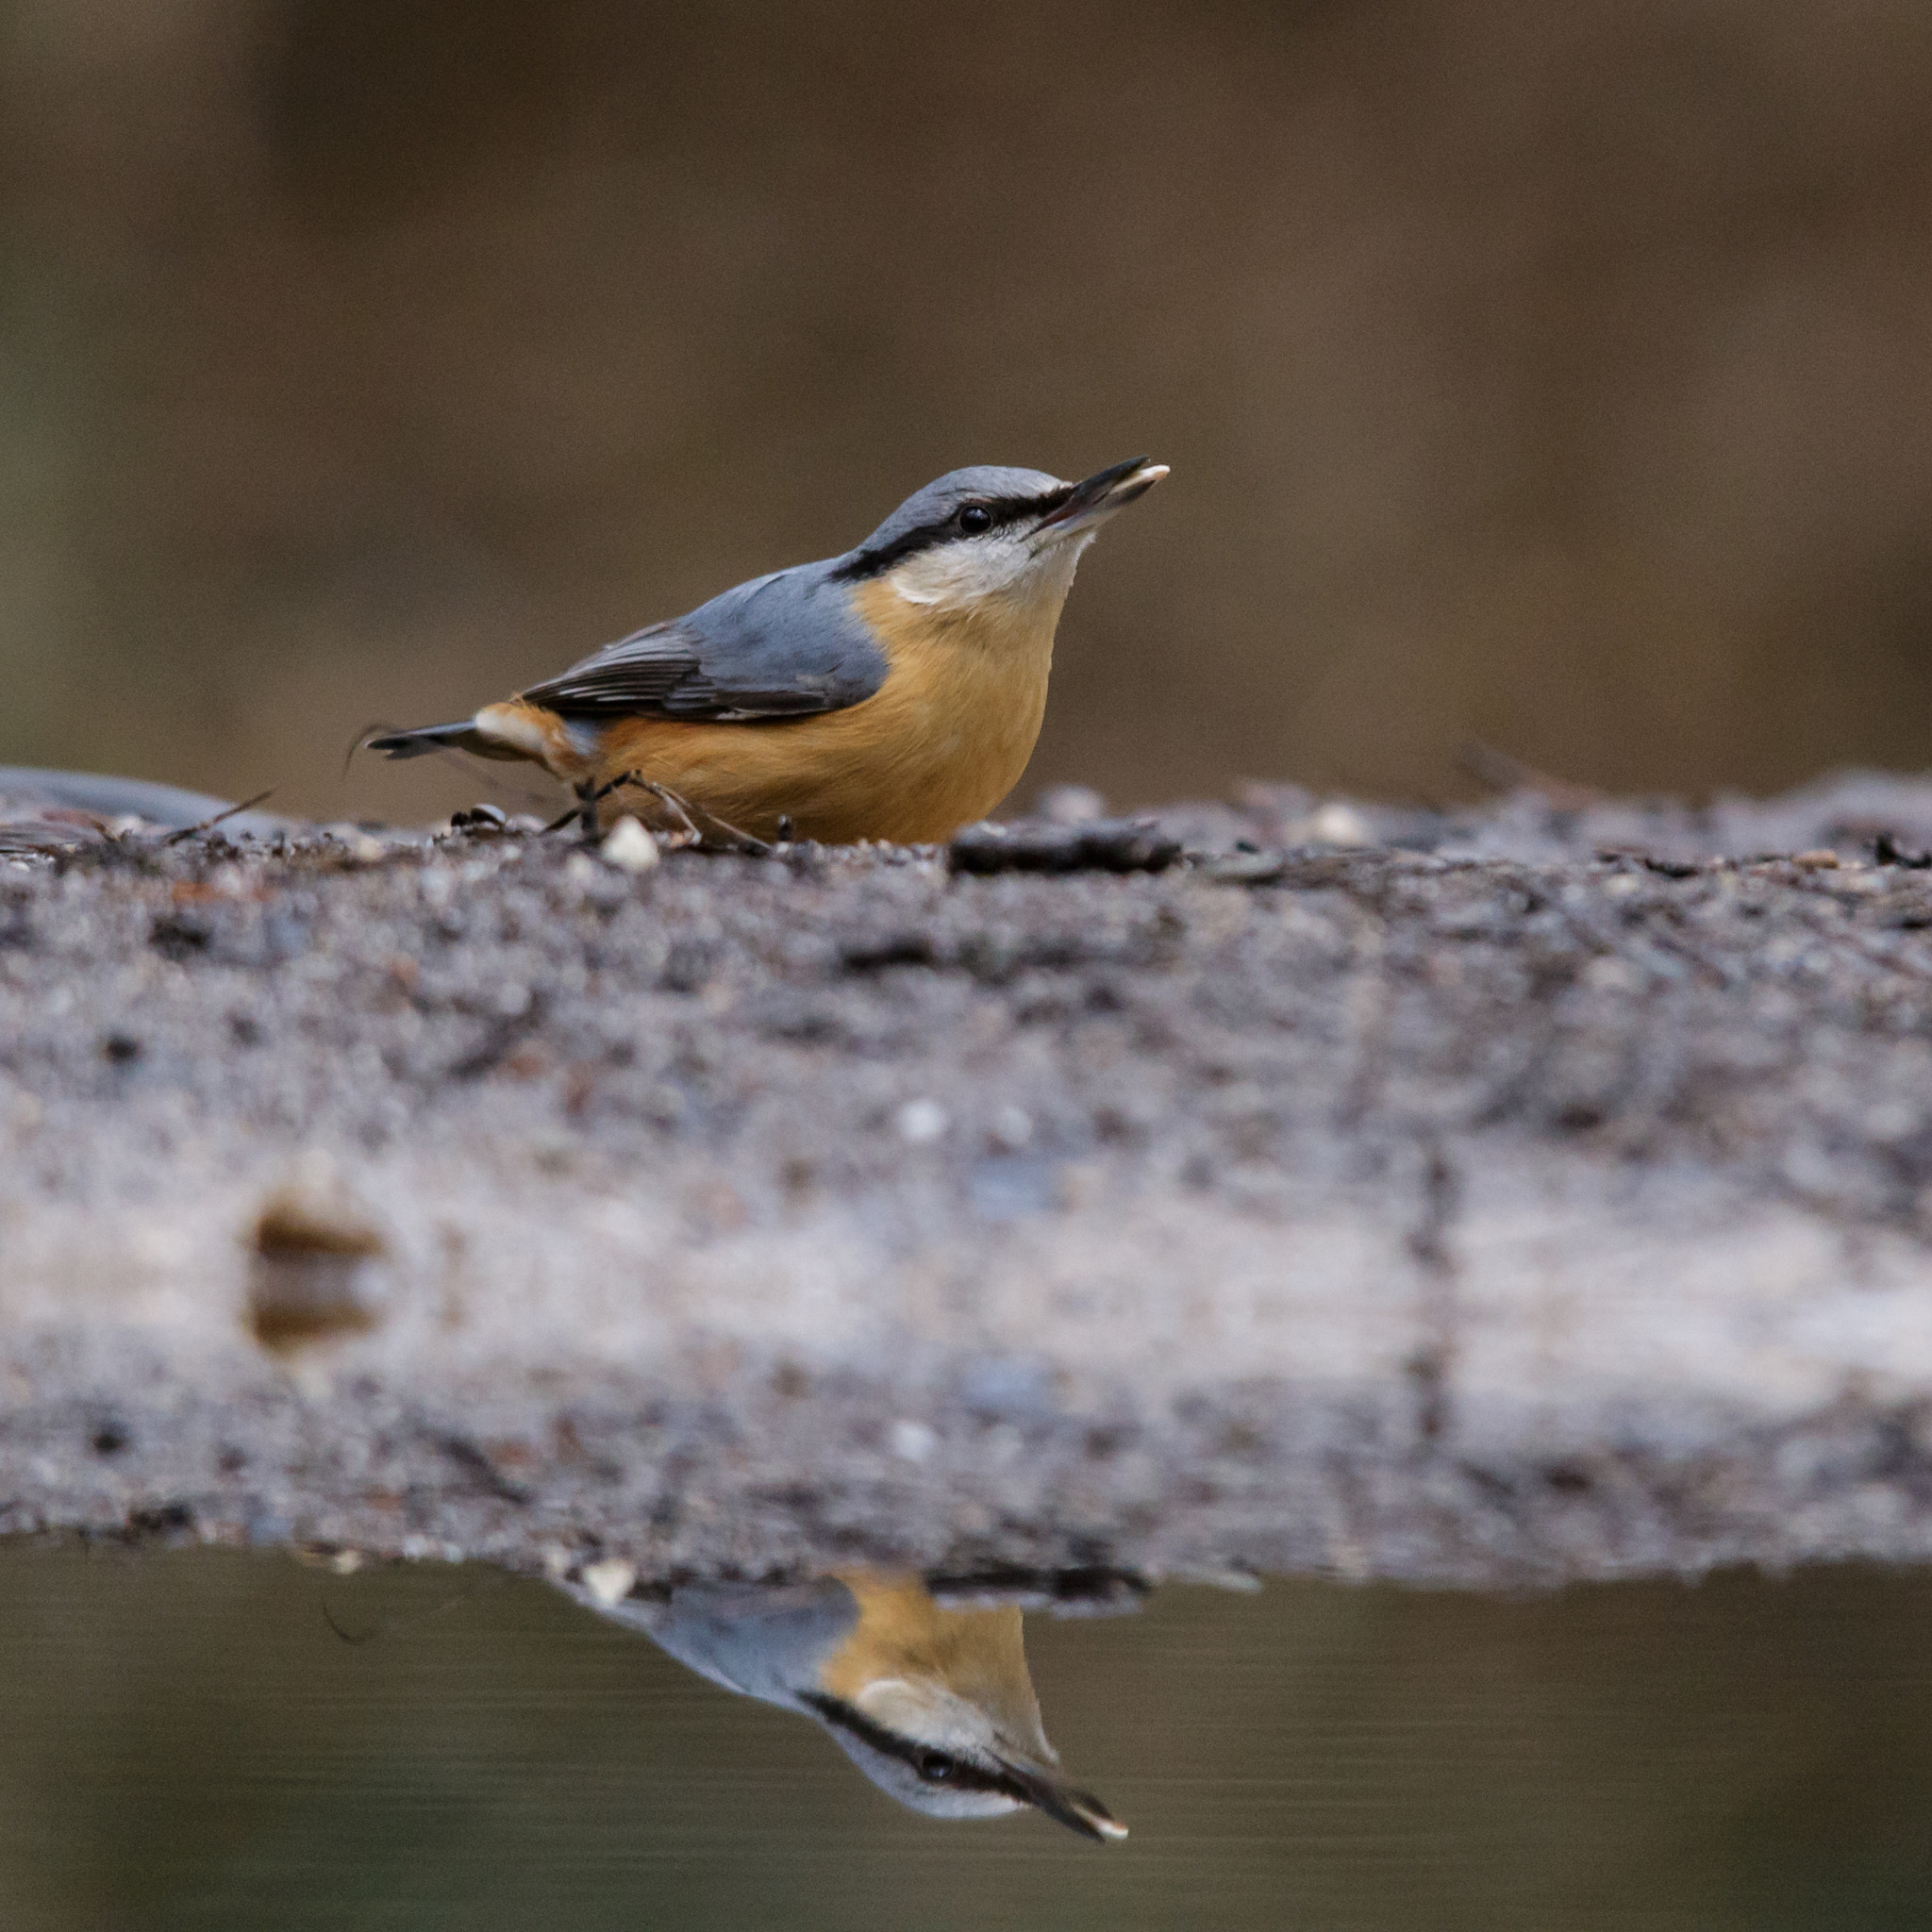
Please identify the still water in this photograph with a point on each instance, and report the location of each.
(202, 1739)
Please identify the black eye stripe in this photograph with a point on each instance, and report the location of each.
(1002, 510)
(961, 1774)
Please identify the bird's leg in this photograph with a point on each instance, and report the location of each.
(676, 840)
(665, 796)
(584, 813)
(687, 814)
(741, 840)
(589, 796)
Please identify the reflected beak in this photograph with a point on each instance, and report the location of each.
(1077, 1811)
(1096, 499)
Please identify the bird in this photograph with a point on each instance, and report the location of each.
(934, 1704)
(893, 692)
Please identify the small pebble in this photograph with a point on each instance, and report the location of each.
(920, 1123)
(610, 1581)
(1071, 804)
(629, 846)
(1336, 824)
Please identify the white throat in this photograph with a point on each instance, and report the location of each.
(959, 576)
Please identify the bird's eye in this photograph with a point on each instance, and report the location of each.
(974, 518)
(935, 1767)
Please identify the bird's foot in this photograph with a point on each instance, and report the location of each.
(695, 828)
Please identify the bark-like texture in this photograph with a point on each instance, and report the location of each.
(1409, 1212)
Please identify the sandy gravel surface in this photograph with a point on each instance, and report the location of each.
(1536, 1197)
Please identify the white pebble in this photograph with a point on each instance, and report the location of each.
(629, 846)
(1071, 804)
(1336, 824)
(921, 1123)
(609, 1581)
(912, 1441)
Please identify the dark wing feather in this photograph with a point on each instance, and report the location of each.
(658, 671)
(783, 646)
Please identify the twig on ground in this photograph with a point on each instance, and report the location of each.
(208, 824)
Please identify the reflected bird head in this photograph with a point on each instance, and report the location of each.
(937, 1707)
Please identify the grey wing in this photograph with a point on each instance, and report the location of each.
(781, 646)
(763, 1641)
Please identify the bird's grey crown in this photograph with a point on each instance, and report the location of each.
(934, 507)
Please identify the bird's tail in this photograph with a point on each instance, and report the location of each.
(429, 737)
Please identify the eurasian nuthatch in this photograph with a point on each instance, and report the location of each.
(934, 1704)
(892, 693)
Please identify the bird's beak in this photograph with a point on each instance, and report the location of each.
(1100, 495)
(1077, 1811)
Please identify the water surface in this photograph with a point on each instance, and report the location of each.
(186, 1741)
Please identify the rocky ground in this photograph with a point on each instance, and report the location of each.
(1529, 1192)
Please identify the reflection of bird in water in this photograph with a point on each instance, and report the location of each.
(934, 1706)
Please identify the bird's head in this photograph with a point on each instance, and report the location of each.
(937, 1707)
(936, 1752)
(988, 533)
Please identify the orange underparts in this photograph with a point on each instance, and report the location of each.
(941, 742)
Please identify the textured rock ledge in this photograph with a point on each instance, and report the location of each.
(1497, 1211)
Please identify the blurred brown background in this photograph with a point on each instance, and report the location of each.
(1556, 376)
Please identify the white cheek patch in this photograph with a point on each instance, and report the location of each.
(957, 576)
(951, 575)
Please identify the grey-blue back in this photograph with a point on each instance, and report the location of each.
(762, 1640)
